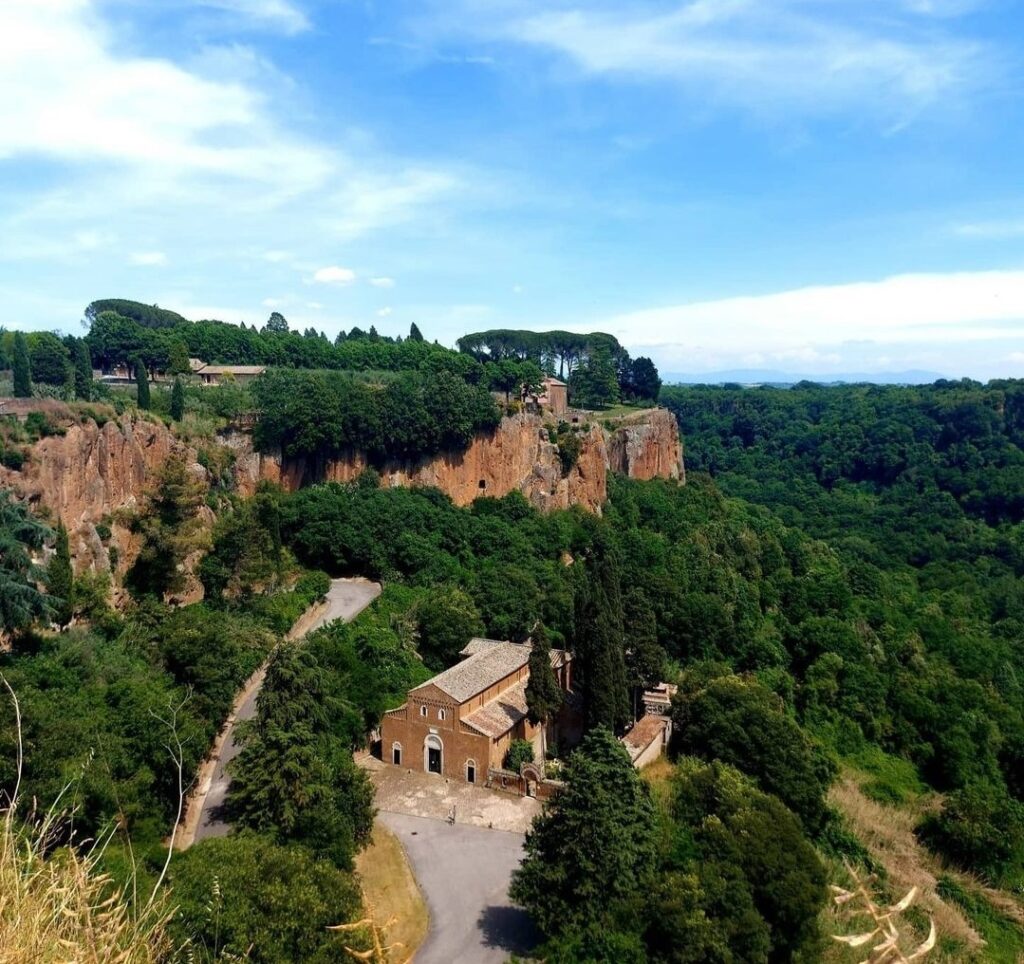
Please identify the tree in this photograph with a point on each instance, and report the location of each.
(593, 851)
(177, 358)
(644, 382)
(142, 384)
(544, 696)
(21, 367)
(21, 534)
(448, 619)
(82, 362)
(243, 896)
(599, 637)
(595, 383)
(177, 400)
(276, 323)
(414, 333)
(49, 358)
(60, 577)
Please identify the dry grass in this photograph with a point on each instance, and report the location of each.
(390, 891)
(63, 909)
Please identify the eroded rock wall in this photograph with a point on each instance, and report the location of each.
(518, 456)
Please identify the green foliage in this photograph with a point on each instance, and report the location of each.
(592, 853)
(49, 358)
(243, 896)
(519, 752)
(741, 723)
(21, 535)
(288, 781)
(569, 447)
(142, 384)
(178, 400)
(60, 577)
(1004, 941)
(148, 316)
(170, 528)
(544, 697)
(21, 367)
(448, 619)
(981, 827)
(82, 363)
(595, 383)
(328, 413)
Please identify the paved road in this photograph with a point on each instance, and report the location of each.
(464, 873)
(346, 599)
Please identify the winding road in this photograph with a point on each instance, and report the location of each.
(346, 599)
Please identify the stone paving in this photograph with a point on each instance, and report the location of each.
(427, 795)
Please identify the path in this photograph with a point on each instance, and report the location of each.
(464, 873)
(346, 599)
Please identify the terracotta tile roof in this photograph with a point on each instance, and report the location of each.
(496, 718)
(485, 666)
(645, 731)
(478, 643)
(232, 370)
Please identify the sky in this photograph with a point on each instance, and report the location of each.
(816, 186)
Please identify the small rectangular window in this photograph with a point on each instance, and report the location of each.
(441, 715)
(423, 711)
(396, 756)
(471, 773)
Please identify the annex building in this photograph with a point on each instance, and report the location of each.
(460, 723)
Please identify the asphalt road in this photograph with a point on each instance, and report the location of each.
(464, 873)
(346, 599)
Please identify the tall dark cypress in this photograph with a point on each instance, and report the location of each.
(21, 368)
(599, 638)
(142, 382)
(82, 361)
(60, 577)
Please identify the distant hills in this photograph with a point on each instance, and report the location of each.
(761, 376)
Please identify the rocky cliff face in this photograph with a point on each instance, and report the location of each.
(647, 446)
(88, 474)
(518, 456)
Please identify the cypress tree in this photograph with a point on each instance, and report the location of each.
(599, 638)
(414, 333)
(543, 694)
(142, 382)
(60, 577)
(177, 400)
(22, 368)
(82, 361)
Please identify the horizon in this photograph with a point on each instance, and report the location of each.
(819, 188)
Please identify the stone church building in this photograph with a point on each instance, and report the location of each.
(460, 723)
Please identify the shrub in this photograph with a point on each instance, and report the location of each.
(520, 752)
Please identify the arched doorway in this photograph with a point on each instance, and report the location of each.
(433, 754)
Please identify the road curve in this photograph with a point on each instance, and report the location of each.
(345, 600)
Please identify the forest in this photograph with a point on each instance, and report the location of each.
(835, 591)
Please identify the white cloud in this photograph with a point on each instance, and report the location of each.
(276, 257)
(382, 282)
(274, 302)
(334, 275)
(991, 230)
(384, 312)
(814, 55)
(149, 259)
(278, 14)
(930, 311)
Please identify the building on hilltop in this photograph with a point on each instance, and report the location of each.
(553, 397)
(461, 723)
(219, 374)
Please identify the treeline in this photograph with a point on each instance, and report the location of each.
(599, 370)
(415, 415)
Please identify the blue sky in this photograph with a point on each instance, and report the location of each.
(808, 185)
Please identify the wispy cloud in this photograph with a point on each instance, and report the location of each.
(334, 275)
(275, 14)
(817, 56)
(926, 310)
(991, 230)
(148, 259)
(382, 282)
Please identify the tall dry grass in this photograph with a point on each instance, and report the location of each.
(59, 907)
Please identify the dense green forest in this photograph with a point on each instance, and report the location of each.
(836, 592)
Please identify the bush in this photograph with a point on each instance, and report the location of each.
(519, 753)
(12, 459)
(245, 897)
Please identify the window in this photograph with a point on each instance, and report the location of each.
(442, 715)
(396, 754)
(423, 711)
(470, 771)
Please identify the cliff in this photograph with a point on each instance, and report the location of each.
(517, 456)
(86, 475)
(647, 446)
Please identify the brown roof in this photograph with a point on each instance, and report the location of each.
(496, 718)
(232, 370)
(485, 666)
(645, 731)
(555, 381)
